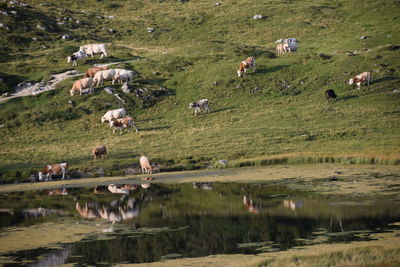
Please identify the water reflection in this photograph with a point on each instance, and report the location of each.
(252, 207)
(192, 220)
(124, 208)
(293, 204)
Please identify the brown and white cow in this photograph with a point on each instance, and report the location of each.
(361, 78)
(122, 124)
(81, 84)
(248, 63)
(55, 169)
(92, 71)
(99, 151)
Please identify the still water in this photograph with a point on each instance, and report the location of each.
(151, 222)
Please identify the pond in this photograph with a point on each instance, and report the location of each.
(132, 223)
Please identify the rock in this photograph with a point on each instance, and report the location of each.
(258, 16)
(109, 90)
(126, 88)
(14, 12)
(150, 30)
(363, 37)
(217, 4)
(40, 27)
(223, 162)
(99, 17)
(111, 30)
(78, 21)
(110, 17)
(65, 36)
(4, 13)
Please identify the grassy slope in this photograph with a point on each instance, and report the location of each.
(253, 117)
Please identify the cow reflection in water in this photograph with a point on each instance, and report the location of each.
(118, 210)
(56, 192)
(293, 204)
(124, 208)
(252, 207)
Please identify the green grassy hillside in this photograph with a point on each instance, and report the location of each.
(277, 114)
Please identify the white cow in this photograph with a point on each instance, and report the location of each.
(122, 75)
(76, 56)
(113, 114)
(291, 42)
(145, 165)
(91, 49)
(104, 75)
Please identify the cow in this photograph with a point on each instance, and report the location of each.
(91, 49)
(330, 95)
(122, 124)
(122, 75)
(282, 48)
(92, 71)
(361, 78)
(199, 105)
(81, 84)
(76, 56)
(248, 63)
(99, 151)
(104, 75)
(55, 169)
(113, 114)
(145, 165)
(291, 42)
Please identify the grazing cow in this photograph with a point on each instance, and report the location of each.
(99, 151)
(361, 78)
(92, 71)
(55, 169)
(330, 95)
(122, 124)
(291, 42)
(76, 56)
(145, 165)
(91, 49)
(122, 75)
(81, 84)
(113, 114)
(104, 75)
(248, 63)
(282, 48)
(199, 105)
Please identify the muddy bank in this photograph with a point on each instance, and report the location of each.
(325, 178)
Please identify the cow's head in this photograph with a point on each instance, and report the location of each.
(192, 105)
(69, 59)
(41, 178)
(351, 81)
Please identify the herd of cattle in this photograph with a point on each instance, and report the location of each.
(118, 119)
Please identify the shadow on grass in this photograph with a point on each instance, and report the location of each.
(348, 97)
(383, 79)
(154, 128)
(269, 70)
(222, 109)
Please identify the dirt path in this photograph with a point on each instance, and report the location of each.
(41, 87)
(334, 178)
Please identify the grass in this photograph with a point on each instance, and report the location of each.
(277, 114)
